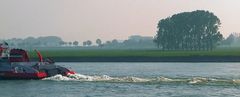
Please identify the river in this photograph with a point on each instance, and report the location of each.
(133, 80)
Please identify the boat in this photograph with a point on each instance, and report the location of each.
(16, 64)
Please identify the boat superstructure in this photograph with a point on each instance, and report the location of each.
(15, 64)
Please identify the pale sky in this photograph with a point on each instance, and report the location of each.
(105, 19)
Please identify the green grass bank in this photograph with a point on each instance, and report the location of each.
(68, 55)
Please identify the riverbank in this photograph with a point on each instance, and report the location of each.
(150, 59)
(218, 55)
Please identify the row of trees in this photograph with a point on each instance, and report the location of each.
(233, 40)
(197, 30)
(74, 43)
(48, 41)
(135, 41)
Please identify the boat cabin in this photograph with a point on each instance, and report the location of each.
(13, 55)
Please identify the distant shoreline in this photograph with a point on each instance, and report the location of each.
(150, 59)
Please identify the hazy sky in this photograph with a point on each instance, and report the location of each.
(105, 19)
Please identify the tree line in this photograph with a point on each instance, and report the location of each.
(233, 40)
(135, 41)
(197, 30)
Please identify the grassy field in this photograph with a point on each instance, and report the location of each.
(133, 53)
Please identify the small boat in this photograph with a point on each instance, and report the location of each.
(15, 64)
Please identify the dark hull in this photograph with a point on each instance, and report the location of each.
(18, 78)
(43, 72)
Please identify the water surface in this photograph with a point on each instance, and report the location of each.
(133, 80)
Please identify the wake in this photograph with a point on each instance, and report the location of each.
(156, 80)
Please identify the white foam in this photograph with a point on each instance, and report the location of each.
(134, 79)
(58, 78)
(81, 77)
(164, 79)
(131, 79)
(236, 81)
(197, 80)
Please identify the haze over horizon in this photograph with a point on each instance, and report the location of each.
(105, 19)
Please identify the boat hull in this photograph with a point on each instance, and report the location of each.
(26, 71)
(13, 75)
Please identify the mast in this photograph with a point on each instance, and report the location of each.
(39, 56)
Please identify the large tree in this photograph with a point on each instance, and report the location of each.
(197, 30)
